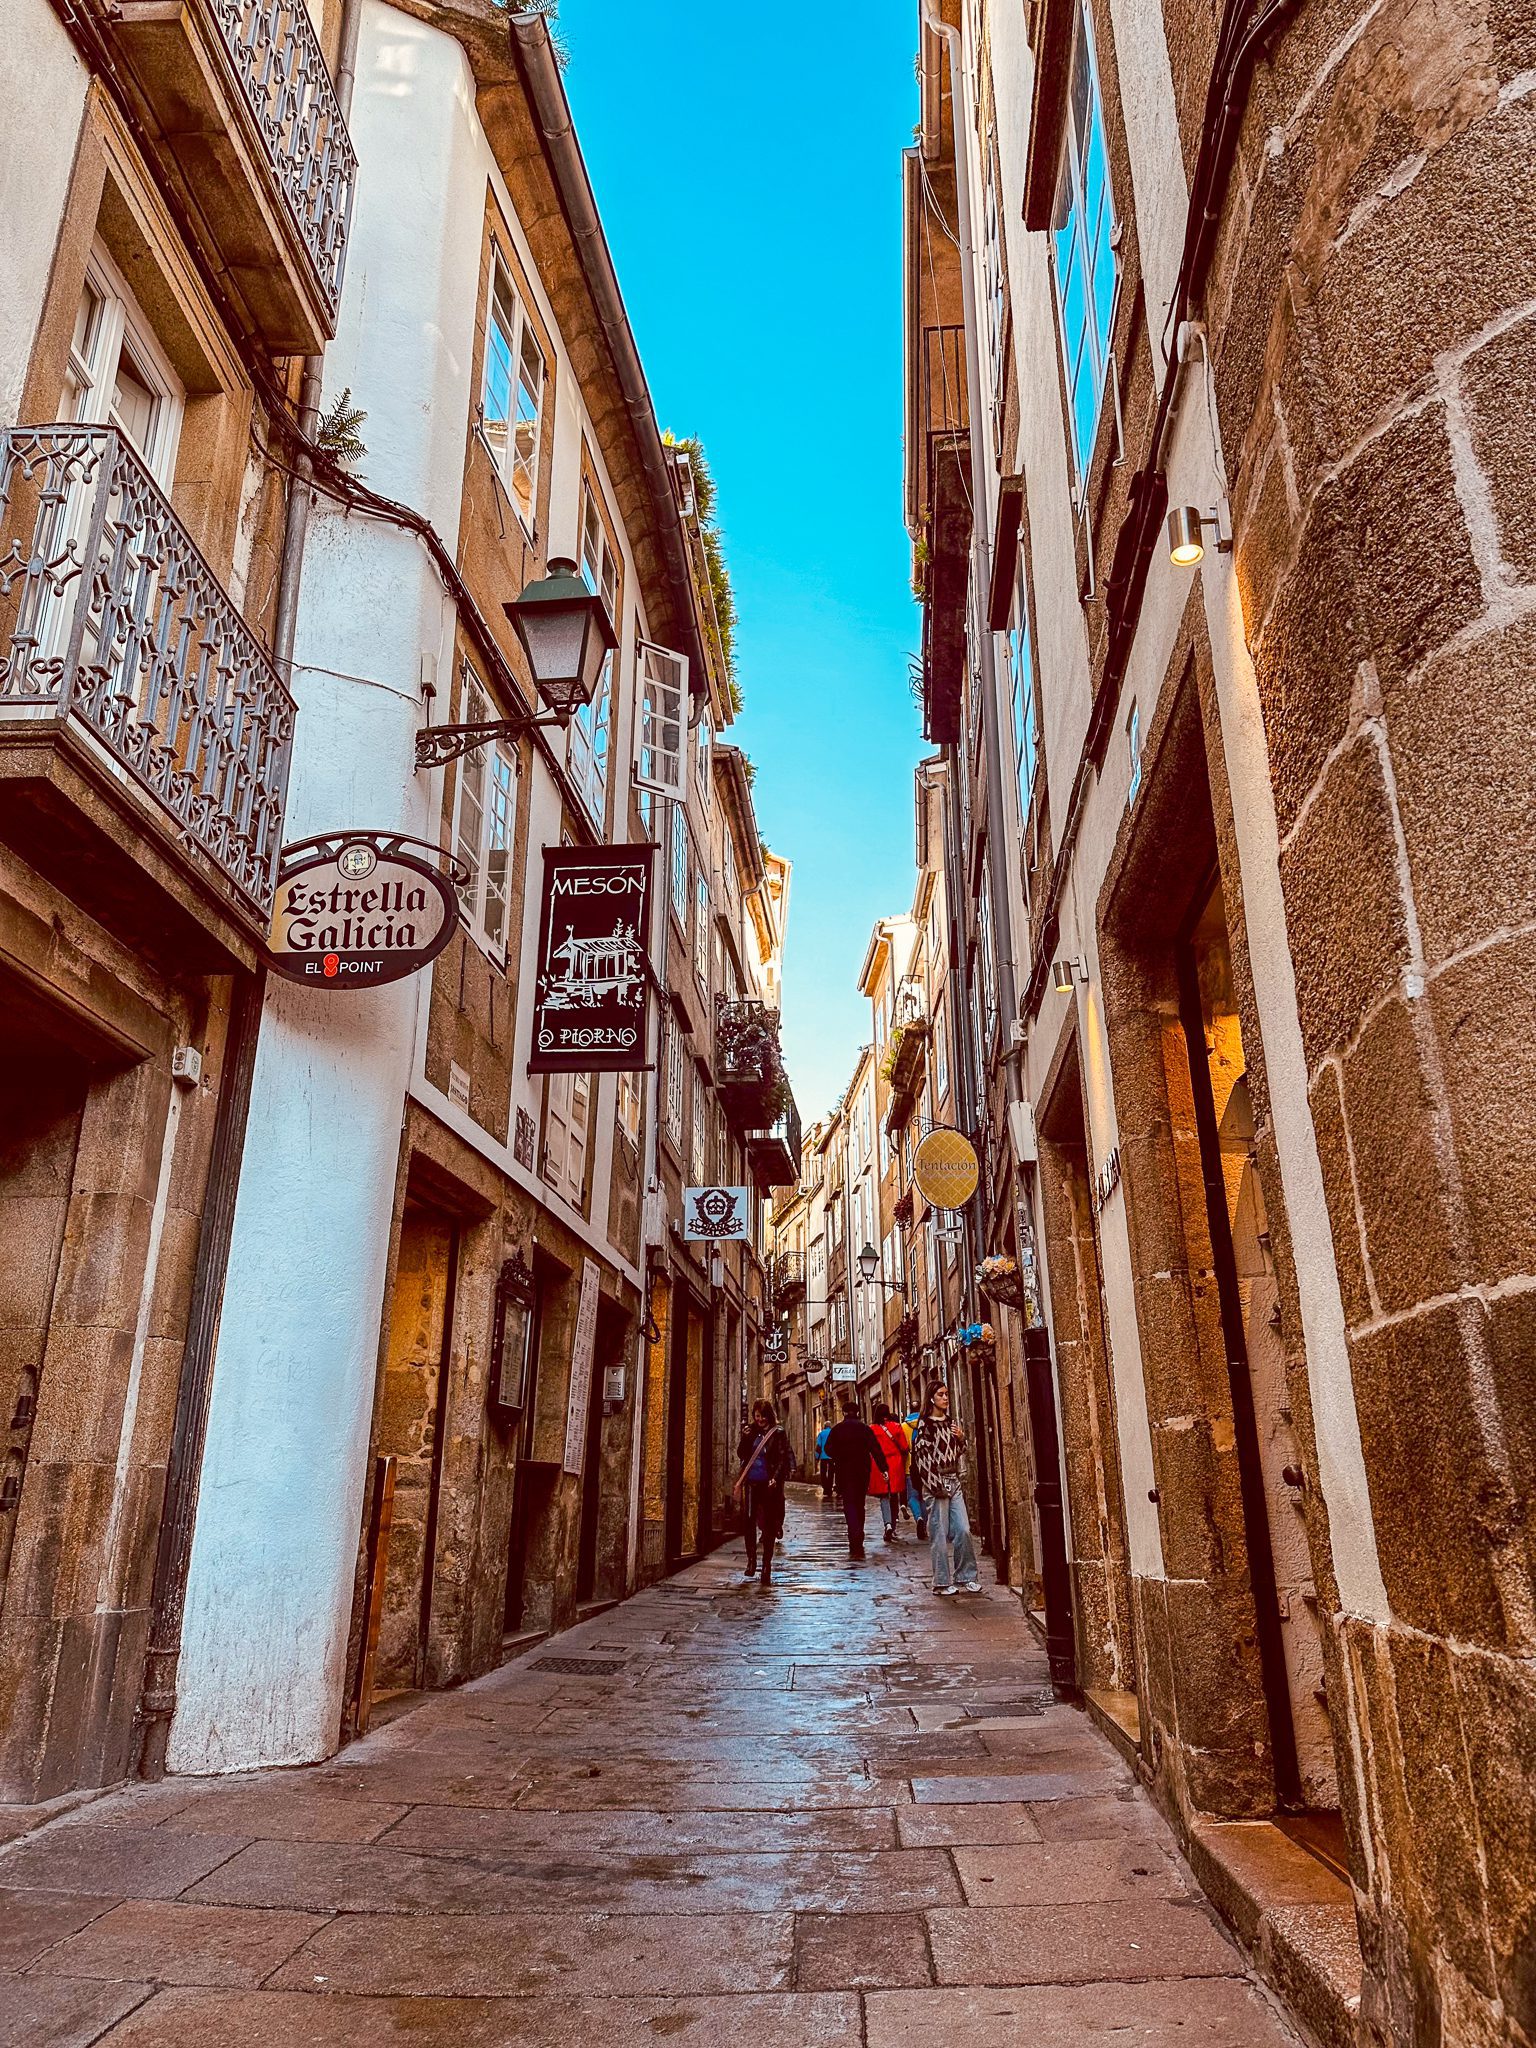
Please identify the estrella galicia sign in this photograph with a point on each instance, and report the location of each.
(356, 909)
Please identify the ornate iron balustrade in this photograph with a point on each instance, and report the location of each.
(282, 72)
(110, 615)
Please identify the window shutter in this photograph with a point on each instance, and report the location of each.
(661, 751)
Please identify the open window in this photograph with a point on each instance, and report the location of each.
(662, 726)
(512, 393)
(484, 822)
(588, 733)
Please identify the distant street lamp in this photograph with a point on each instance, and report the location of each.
(567, 635)
(868, 1263)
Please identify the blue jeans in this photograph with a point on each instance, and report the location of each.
(887, 1509)
(915, 1501)
(949, 1529)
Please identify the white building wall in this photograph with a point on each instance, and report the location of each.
(42, 98)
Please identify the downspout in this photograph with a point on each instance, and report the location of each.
(981, 558)
(184, 1462)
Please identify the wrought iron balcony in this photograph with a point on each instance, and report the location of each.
(254, 133)
(749, 1073)
(774, 1154)
(111, 620)
(786, 1277)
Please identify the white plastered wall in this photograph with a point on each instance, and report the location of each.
(42, 98)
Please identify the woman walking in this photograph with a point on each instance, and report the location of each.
(889, 1486)
(766, 1462)
(938, 1453)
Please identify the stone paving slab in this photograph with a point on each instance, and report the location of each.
(61, 2012)
(475, 1832)
(1224, 2012)
(753, 1830)
(270, 2019)
(1067, 1873)
(32, 1922)
(177, 1943)
(1080, 1944)
(497, 1955)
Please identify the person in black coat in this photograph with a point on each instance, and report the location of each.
(851, 1447)
(767, 1461)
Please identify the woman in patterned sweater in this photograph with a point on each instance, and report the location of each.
(938, 1456)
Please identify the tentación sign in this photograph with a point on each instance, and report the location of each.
(357, 909)
(589, 999)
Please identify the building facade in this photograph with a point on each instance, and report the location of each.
(173, 245)
(351, 1349)
(1223, 548)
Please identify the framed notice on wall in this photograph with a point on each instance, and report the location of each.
(589, 989)
(582, 1348)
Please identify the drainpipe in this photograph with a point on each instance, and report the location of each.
(173, 1555)
(981, 579)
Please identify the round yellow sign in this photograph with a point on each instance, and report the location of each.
(945, 1168)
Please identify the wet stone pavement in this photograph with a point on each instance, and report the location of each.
(841, 1811)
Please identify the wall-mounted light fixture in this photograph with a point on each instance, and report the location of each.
(1186, 525)
(1065, 974)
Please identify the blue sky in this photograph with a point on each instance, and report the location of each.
(746, 161)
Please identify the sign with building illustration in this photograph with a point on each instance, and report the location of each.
(358, 909)
(945, 1168)
(715, 1215)
(589, 988)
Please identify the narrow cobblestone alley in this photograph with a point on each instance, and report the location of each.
(839, 1811)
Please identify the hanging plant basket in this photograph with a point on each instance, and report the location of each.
(1001, 1281)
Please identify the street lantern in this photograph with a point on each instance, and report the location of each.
(869, 1264)
(567, 635)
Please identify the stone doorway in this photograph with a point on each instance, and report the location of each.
(1249, 1300)
(1100, 1564)
(410, 1430)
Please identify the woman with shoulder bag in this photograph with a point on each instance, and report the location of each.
(767, 1461)
(938, 1453)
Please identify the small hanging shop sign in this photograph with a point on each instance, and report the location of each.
(715, 1215)
(589, 994)
(356, 909)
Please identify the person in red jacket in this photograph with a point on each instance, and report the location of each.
(889, 1486)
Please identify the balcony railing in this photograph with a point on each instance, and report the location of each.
(109, 616)
(775, 1153)
(282, 72)
(786, 1276)
(749, 1073)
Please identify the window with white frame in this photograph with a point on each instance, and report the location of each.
(992, 269)
(680, 867)
(701, 929)
(587, 735)
(703, 740)
(512, 392)
(698, 1151)
(1133, 750)
(940, 1050)
(1021, 690)
(630, 1106)
(484, 822)
(661, 722)
(567, 1123)
(674, 1037)
(1083, 265)
(988, 958)
(118, 375)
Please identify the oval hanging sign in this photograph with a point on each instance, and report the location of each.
(946, 1168)
(356, 909)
